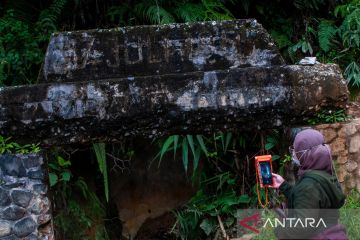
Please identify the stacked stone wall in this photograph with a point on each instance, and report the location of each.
(344, 140)
(24, 205)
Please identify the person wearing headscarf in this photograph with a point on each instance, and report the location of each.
(317, 193)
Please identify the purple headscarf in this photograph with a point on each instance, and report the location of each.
(318, 154)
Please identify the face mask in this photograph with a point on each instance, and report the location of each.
(296, 162)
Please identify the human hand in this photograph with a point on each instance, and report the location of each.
(277, 180)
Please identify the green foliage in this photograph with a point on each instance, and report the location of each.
(309, 4)
(328, 116)
(162, 11)
(352, 74)
(326, 33)
(80, 218)
(200, 216)
(23, 42)
(59, 171)
(78, 211)
(100, 152)
(195, 143)
(6, 146)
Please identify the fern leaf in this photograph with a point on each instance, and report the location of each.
(327, 31)
(100, 153)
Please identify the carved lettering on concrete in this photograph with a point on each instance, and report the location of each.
(157, 50)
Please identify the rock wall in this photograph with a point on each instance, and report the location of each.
(344, 140)
(24, 205)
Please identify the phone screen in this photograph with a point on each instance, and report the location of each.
(266, 174)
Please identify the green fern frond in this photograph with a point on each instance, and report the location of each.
(309, 4)
(215, 10)
(326, 33)
(190, 12)
(352, 74)
(48, 18)
(100, 153)
(153, 12)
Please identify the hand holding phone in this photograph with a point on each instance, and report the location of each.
(264, 170)
(277, 180)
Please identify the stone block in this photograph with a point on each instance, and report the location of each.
(341, 158)
(341, 173)
(36, 174)
(32, 161)
(24, 227)
(4, 197)
(354, 145)
(341, 132)
(21, 197)
(12, 165)
(5, 228)
(329, 134)
(350, 129)
(13, 213)
(351, 166)
(338, 146)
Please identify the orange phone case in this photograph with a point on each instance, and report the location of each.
(258, 160)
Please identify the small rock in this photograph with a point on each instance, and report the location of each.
(40, 188)
(36, 174)
(11, 237)
(24, 227)
(4, 198)
(21, 198)
(15, 184)
(43, 218)
(342, 158)
(342, 174)
(5, 228)
(32, 161)
(351, 166)
(329, 135)
(12, 165)
(40, 205)
(337, 146)
(354, 144)
(13, 213)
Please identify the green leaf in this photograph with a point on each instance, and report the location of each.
(166, 146)
(176, 139)
(269, 146)
(197, 158)
(227, 141)
(191, 144)
(207, 226)
(326, 33)
(53, 179)
(62, 162)
(100, 152)
(202, 144)
(66, 176)
(275, 157)
(185, 153)
(244, 199)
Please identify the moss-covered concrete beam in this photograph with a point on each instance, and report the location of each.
(157, 50)
(153, 106)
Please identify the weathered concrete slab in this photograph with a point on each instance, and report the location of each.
(157, 50)
(198, 102)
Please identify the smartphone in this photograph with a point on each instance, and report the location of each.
(264, 169)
